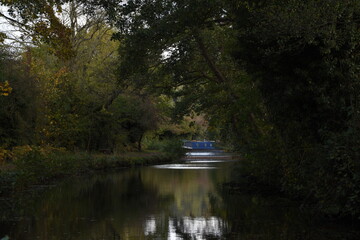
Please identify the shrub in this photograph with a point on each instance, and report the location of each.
(37, 164)
(173, 148)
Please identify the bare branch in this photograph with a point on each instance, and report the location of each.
(12, 20)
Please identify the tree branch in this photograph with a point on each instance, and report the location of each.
(109, 101)
(12, 20)
(219, 76)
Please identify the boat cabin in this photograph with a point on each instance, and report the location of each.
(199, 145)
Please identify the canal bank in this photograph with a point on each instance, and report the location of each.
(33, 166)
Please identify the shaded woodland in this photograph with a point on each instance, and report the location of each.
(277, 81)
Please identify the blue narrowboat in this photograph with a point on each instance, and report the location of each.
(198, 145)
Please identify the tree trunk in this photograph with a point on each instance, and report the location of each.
(139, 142)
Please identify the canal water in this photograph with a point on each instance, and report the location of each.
(185, 200)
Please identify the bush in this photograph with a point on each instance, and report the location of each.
(172, 147)
(35, 164)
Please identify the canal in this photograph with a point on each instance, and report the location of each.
(185, 200)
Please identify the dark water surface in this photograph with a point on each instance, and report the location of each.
(175, 201)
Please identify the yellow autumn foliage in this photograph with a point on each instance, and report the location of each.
(20, 151)
(5, 89)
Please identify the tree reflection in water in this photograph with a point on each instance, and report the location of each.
(161, 203)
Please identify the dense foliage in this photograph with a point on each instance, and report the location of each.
(306, 57)
(62, 89)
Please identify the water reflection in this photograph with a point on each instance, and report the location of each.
(187, 228)
(200, 160)
(200, 228)
(201, 153)
(187, 166)
(150, 226)
(161, 203)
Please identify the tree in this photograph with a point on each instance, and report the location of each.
(37, 22)
(184, 49)
(18, 101)
(305, 54)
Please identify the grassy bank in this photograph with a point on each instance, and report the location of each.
(31, 165)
